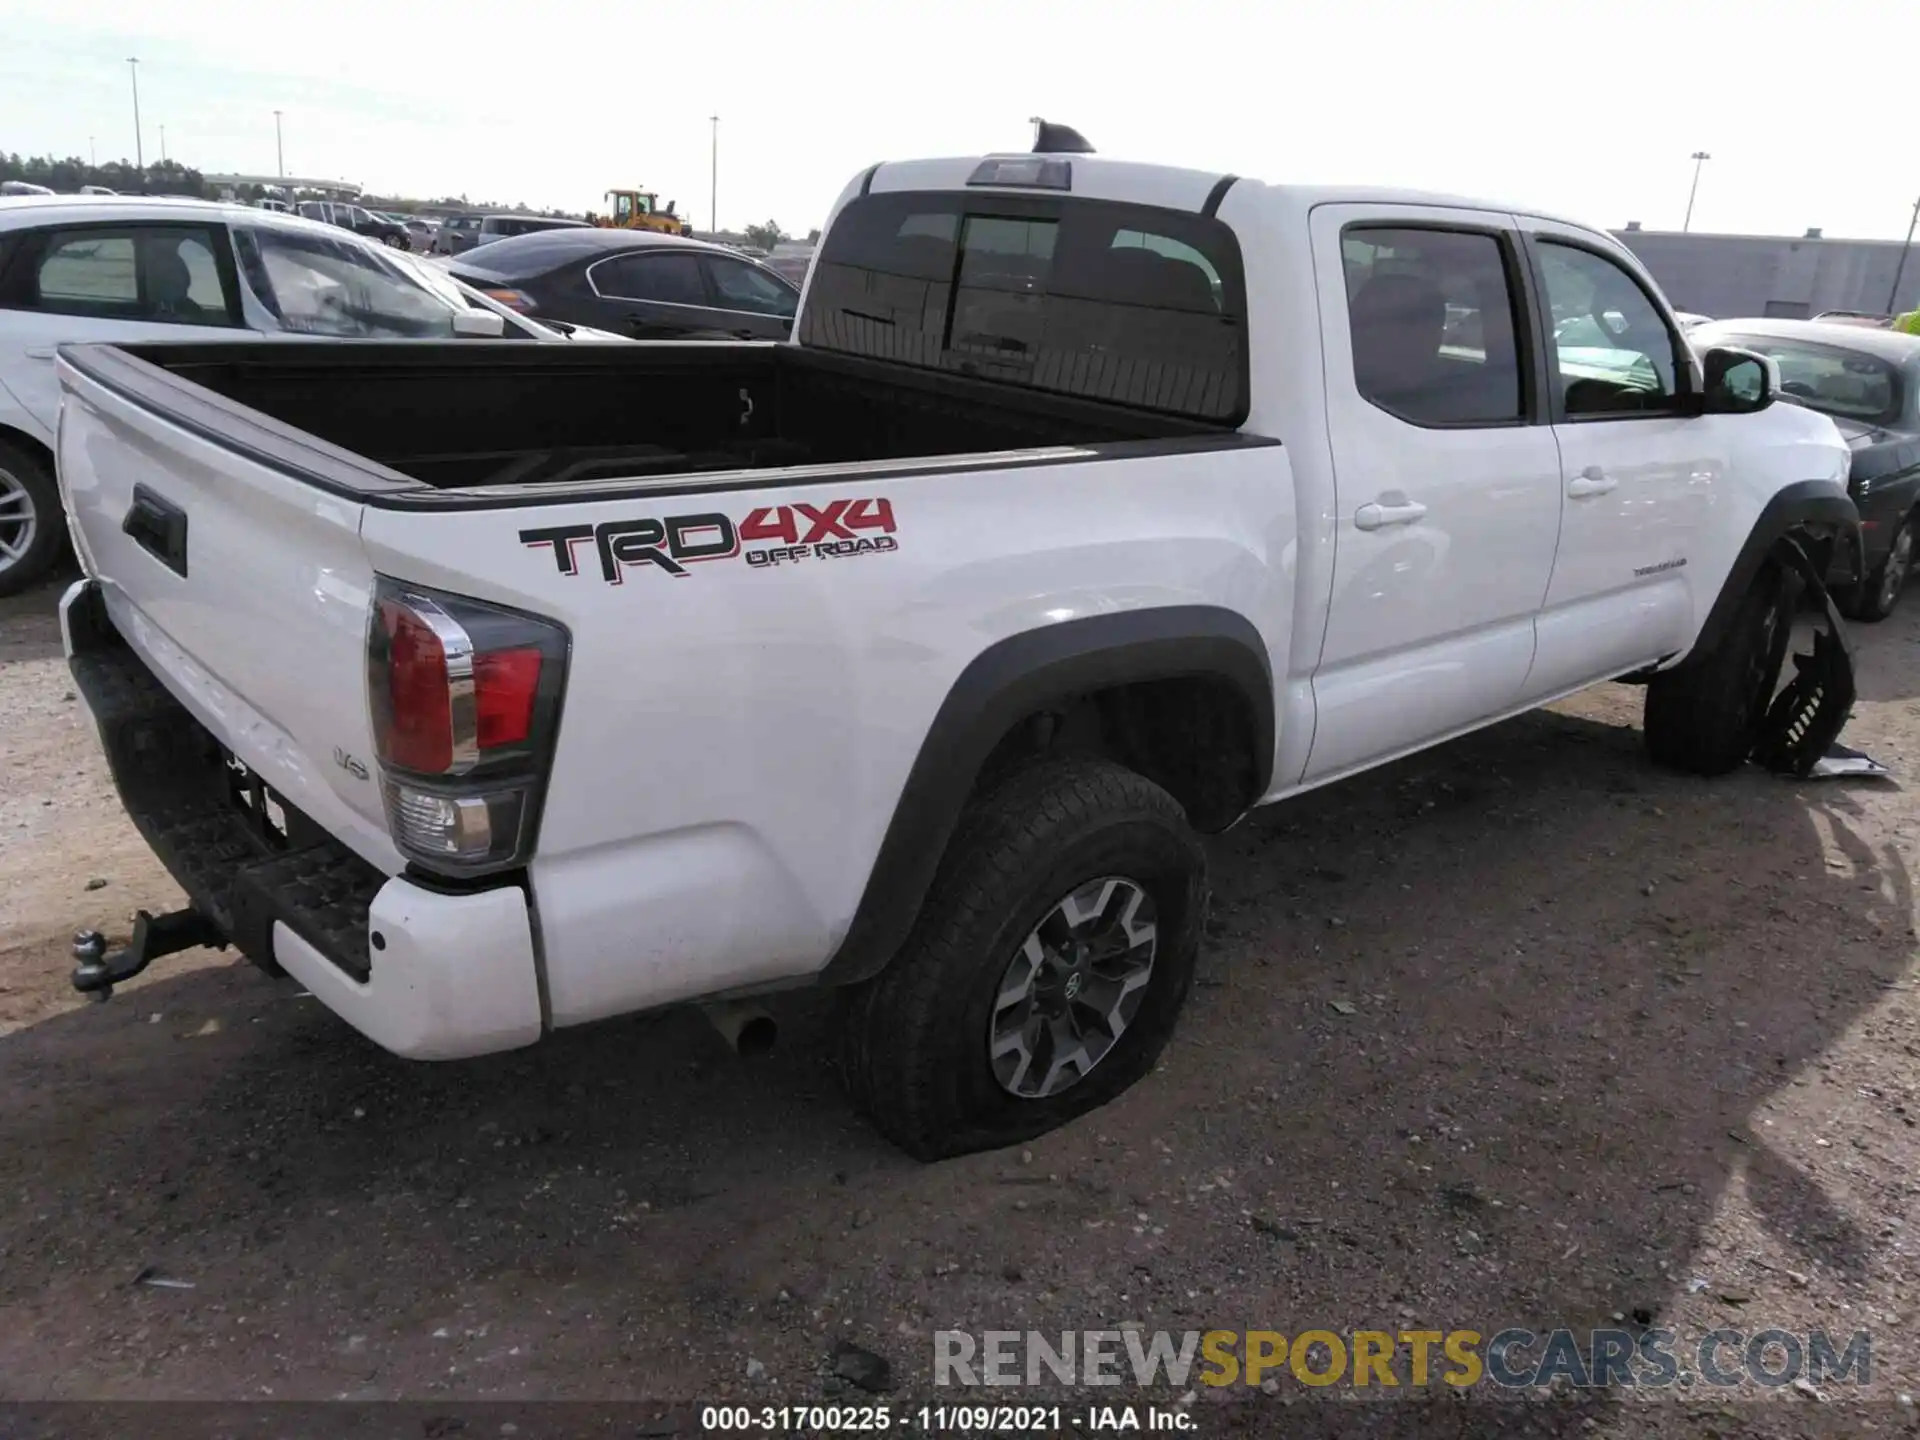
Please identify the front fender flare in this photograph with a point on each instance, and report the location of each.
(1804, 505)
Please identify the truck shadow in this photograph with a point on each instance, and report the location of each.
(1482, 1039)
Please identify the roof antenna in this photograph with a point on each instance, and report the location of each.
(1050, 138)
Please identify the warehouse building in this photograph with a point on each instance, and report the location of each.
(1789, 278)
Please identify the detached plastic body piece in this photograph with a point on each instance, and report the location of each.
(1806, 717)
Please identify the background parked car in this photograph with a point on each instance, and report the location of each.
(505, 227)
(357, 219)
(79, 268)
(457, 234)
(1868, 381)
(419, 231)
(638, 283)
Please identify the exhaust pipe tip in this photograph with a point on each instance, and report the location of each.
(748, 1030)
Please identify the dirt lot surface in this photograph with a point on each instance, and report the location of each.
(1518, 1033)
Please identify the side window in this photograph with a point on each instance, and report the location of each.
(165, 273)
(666, 279)
(747, 287)
(203, 274)
(89, 274)
(1432, 319)
(1614, 351)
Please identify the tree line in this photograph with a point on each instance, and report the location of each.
(163, 177)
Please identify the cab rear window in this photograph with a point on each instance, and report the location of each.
(1129, 304)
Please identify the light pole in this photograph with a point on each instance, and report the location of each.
(1699, 157)
(93, 155)
(1900, 270)
(133, 73)
(713, 191)
(279, 146)
(163, 144)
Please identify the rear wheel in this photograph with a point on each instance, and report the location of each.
(1704, 718)
(1046, 970)
(1876, 595)
(31, 524)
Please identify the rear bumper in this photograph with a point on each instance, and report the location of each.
(425, 974)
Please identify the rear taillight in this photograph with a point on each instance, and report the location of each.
(512, 299)
(466, 705)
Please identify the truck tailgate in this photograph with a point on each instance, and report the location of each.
(243, 588)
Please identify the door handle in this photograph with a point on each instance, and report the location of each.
(1590, 481)
(1375, 516)
(159, 527)
(46, 354)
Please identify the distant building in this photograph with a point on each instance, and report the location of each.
(1789, 278)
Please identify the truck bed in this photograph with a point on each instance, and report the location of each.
(466, 414)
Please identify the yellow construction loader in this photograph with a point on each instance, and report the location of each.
(641, 210)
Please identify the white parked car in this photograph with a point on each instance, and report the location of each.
(131, 268)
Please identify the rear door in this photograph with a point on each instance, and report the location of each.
(1445, 474)
(655, 295)
(107, 282)
(1638, 473)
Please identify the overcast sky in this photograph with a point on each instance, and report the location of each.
(1586, 109)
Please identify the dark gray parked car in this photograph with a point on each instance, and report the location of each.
(635, 282)
(1868, 381)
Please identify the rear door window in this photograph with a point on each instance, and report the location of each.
(1432, 318)
(1123, 303)
(672, 279)
(171, 274)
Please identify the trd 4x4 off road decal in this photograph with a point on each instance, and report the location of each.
(833, 531)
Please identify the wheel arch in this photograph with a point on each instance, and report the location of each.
(1037, 673)
(1820, 511)
(32, 445)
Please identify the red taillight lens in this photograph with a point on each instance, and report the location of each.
(414, 728)
(505, 683)
(466, 701)
(513, 299)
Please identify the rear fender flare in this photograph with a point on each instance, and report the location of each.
(1007, 682)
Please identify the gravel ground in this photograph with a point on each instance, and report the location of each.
(1521, 1032)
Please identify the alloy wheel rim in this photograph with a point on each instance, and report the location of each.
(18, 522)
(1073, 988)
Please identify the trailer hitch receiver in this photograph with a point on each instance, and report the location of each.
(96, 972)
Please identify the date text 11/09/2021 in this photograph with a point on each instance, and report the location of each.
(945, 1419)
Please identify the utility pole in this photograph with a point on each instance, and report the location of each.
(1699, 157)
(133, 73)
(163, 144)
(93, 154)
(1900, 270)
(713, 192)
(279, 146)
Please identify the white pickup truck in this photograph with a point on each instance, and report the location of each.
(494, 689)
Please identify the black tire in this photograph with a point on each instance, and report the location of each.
(914, 1040)
(21, 471)
(1704, 718)
(1875, 597)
